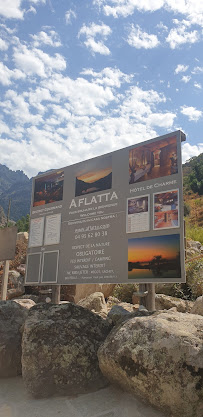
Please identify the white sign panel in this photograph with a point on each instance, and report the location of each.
(52, 229)
(36, 232)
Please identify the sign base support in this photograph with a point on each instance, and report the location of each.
(4, 281)
(148, 298)
(56, 293)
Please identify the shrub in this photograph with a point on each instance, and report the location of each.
(186, 209)
(194, 233)
(124, 292)
(194, 277)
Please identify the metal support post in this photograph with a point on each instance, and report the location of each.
(56, 293)
(150, 298)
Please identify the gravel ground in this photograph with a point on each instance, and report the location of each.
(108, 402)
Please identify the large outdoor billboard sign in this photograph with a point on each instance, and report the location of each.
(112, 219)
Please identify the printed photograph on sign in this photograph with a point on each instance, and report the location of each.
(95, 175)
(48, 189)
(166, 212)
(138, 214)
(153, 160)
(154, 257)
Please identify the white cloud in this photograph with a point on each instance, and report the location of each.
(34, 151)
(20, 109)
(192, 113)
(179, 36)
(70, 14)
(139, 39)
(7, 75)
(186, 78)
(162, 26)
(59, 120)
(197, 85)
(181, 68)
(50, 39)
(36, 62)
(31, 10)
(11, 9)
(197, 70)
(3, 128)
(3, 45)
(125, 8)
(191, 9)
(188, 151)
(112, 77)
(165, 120)
(92, 31)
(82, 97)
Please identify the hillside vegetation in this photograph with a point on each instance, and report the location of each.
(193, 197)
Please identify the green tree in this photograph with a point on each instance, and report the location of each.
(23, 223)
(195, 177)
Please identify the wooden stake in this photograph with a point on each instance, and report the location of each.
(5, 281)
(56, 293)
(4, 284)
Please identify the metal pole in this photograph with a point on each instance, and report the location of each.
(150, 298)
(56, 293)
(143, 289)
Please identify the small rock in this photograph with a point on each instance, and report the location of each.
(118, 313)
(15, 285)
(32, 297)
(25, 302)
(165, 302)
(22, 237)
(95, 302)
(198, 306)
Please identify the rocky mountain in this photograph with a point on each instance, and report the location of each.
(15, 185)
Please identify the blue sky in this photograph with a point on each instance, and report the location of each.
(82, 78)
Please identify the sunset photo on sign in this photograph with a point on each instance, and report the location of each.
(153, 160)
(48, 189)
(95, 175)
(154, 257)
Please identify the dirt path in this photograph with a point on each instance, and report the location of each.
(108, 402)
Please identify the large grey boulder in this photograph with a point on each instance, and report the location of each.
(198, 306)
(160, 359)
(165, 302)
(59, 350)
(12, 319)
